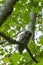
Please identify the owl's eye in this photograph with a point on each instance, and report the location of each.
(27, 32)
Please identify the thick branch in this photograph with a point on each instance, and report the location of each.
(6, 10)
(9, 39)
(31, 25)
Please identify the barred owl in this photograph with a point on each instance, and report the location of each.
(24, 38)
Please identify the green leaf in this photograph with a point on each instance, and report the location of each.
(15, 58)
(40, 63)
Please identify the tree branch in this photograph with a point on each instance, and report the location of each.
(28, 50)
(6, 10)
(9, 39)
(31, 25)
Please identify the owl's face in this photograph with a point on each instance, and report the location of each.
(28, 33)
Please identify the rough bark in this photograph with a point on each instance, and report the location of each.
(6, 10)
